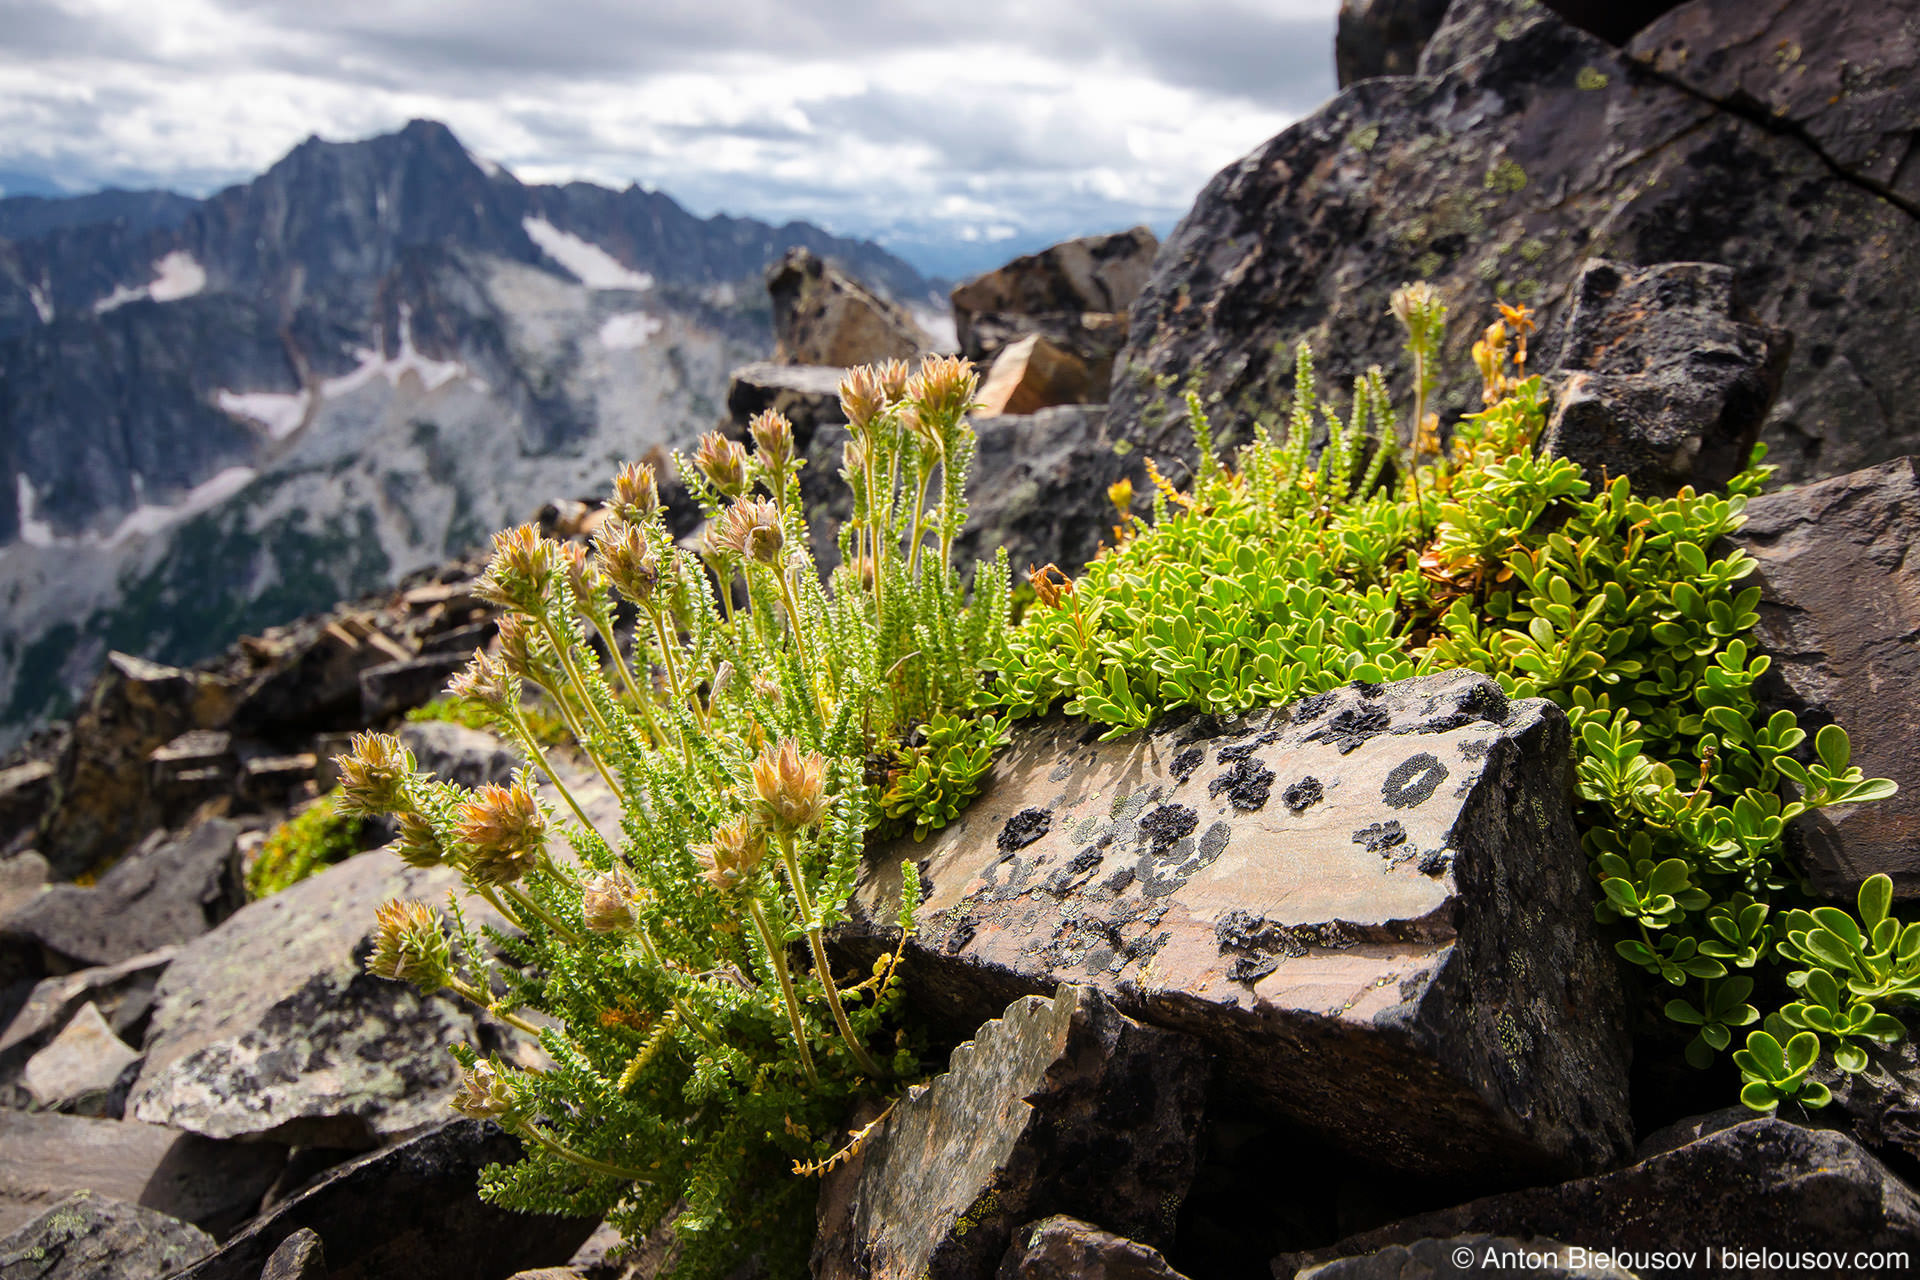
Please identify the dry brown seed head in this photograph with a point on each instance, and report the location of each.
(773, 436)
(790, 786)
(374, 773)
(862, 399)
(419, 844)
(735, 851)
(506, 831)
(723, 463)
(1050, 585)
(892, 376)
(606, 902)
(943, 389)
(482, 1094)
(752, 529)
(485, 681)
(517, 649)
(636, 493)
(409, 946)
(627, 560)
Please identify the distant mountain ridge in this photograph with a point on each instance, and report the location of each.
(216, 414)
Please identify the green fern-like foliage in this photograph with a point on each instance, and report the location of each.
(704, 1051)
(310, 841)
(1294, 571)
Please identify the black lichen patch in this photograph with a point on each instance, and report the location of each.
(1243, 750)
(962, 934)
(1186, 762)
(1303, 795)
(1251, 969)
(1348, 729)
(1169, 823)
(1380, 836)
(1119, 882)
(1074, 874)
(1247, 784)
(1366, 688)
(1436, 862)
(1476, 748)
(1214, 842)
(1023, 828)
(1413, 781)
(1309, 708)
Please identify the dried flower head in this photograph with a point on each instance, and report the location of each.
(627, 560)
(943, 389)
(482, 1094)
(773, 437)
(636, 493)
(751, 529)
(732, 856)
(606, 902)
(519, 648)
(374, 774)
(409, 946)
(893, 376)
(1050, 585)
(583, 576)
(1418, 307)
(790, 786)
(722, 678)
(485, 680)
(862, 399)
(419, 844)
(506, 830)
(723, 463)
(523, 565)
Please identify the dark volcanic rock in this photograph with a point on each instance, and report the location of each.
(92, 1237)
(1657, 382)
(1481, 1255)
(269, 1027)
(1407, 968)
(1524, 148)
(165, 892)
(1058, 1106)
(1840, 614)
(301, 1256)
(26, 791)
(808, 394)
(410, 1210)
(1383, 37)
(1880, 1105)
(1058, 292)
(1063, 1248)
(390, 688)
(1762, 1184)
(1614, 21)
(823, 316)
(214, 1185)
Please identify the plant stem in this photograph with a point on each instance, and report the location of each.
(476, 996)
(705, 1032)
(524, 899)
(777, 955)
(818, 941)
(527, 1130)
(538, 756)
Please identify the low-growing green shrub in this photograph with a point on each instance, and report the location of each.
(1291, 573)
(704, 1051)
(317, 837)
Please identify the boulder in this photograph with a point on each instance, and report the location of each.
(1880, 1106)
(80, 1066)
(1063, 1248)
(167, 891)
(391, 688)
(1614, 21)
(1763, 1184)
(121, 993)
(306, 678)
(409, 1210)
(1524, 147)
(1657, 382)
(21, 878)
(1383, 37)
(1060, 1105)
(1839, 615)
(1371, 905)
(104, 800)
(809, 395)
(1097, 274)
(1465, 1257)
(193, 766)
(301, 1256)
(26, 791)
(269, 1027)
(822, 315)
(1093, 338)
(1032, 374)
(94, 1237)
(214, 1185)
(455, 753)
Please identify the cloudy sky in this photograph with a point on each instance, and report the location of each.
(955, 131)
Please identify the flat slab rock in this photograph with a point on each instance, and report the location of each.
(94, 1237)
(270, 1027)
(1370, 905)
(1063, 1248)
(1759, 1184)
(1061, 1105)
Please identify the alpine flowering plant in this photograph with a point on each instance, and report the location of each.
(753, 724)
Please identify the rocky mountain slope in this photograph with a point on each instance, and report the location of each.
(222, 414)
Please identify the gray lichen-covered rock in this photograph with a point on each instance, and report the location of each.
(167, 891)
(1060, 1105)
(79, 1066)
(1383, 37)
(1762, 1184)
(1464, 1257)
(93, 1237)
(409, 1210)
(1657, 381)
(1525, 147)
(123, 993)
(1840, 617)
(1063, 1248)
(269, 1027)
(1371, 906)
(214, 1185)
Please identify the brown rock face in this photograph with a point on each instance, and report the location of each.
(1034, 374)
(1061, 1105)
(1840, 616)
(821, 315)
(1063, 1248)
(1371, 906)
(1075, 293)
(1657, 381)
(1383, 37)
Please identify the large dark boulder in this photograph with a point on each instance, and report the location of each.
(1525, 147)
(1073, 293)
(94, 1237)
(1371, 905)
(1383, 37)
(822, 315)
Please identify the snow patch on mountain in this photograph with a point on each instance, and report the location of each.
(629, 329)
(175, 276)
(35, 533)
(590, 264)
(150, 518)
(42, 305)
(374, 363)
(280, 412)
